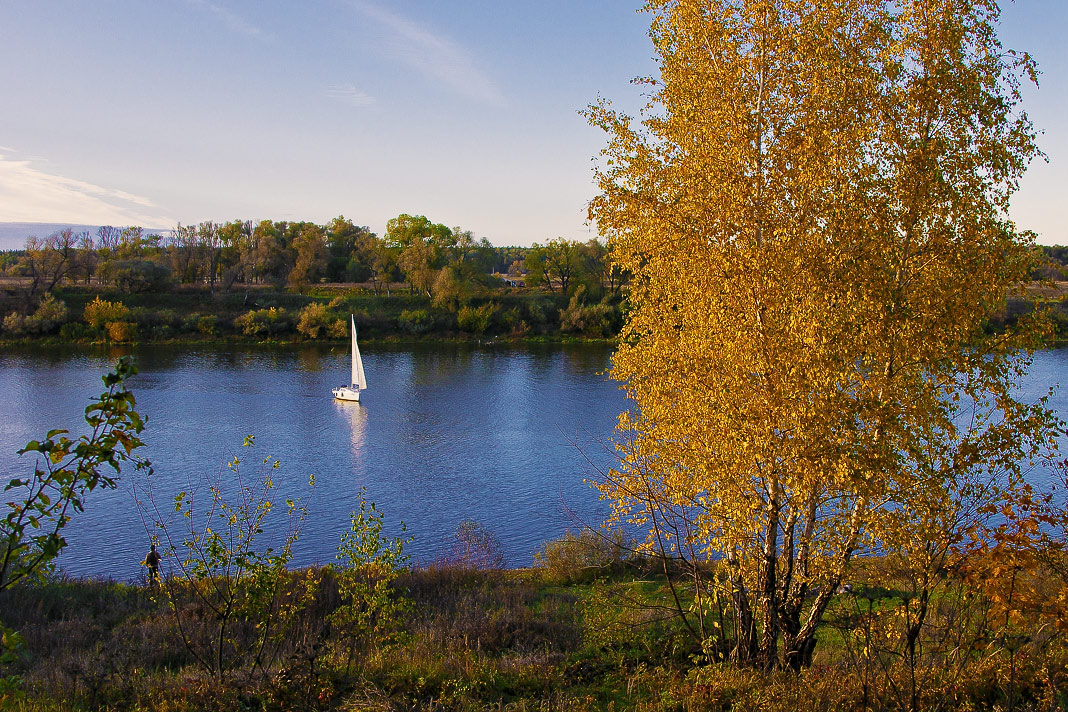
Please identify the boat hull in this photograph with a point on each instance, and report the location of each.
(347, 394)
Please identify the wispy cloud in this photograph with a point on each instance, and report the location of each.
(433, 55)
(350, 95)
(28, 194)
(231, 19)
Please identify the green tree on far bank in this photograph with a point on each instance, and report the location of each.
(421, 249)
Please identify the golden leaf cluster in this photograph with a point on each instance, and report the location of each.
(813, 206)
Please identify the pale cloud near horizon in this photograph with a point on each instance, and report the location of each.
(28, 194)
(231, 19)
(433, 55)
(349, 94)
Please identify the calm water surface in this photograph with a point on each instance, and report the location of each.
(504, 436)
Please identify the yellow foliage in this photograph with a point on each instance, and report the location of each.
(121, 331)
(814, 212)
(100, 311)
(314, 317)
(339, 329)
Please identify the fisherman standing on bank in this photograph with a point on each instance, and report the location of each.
(152, 562)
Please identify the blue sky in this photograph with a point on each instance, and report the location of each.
(155, 112)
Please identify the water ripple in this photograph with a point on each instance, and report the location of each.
(445, 433)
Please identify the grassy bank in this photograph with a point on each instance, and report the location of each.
(261, 314)
(565, 635)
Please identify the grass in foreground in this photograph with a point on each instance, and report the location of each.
(563, 636)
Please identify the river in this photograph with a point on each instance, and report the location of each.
(506, 436)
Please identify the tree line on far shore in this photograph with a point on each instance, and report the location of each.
(428, 257)
(447, 269)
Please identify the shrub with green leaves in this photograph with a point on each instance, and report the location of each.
(589, 319)
(134, 276)
(228, 592)
(369, 563)
(72, 330)
(144, 317)
(51, 313)
(264, 322)
(169, 317)
(190, 323)
(416, 321)
(65, 472)
(584, 556)
(540, 311)
(314, 319)
(513, 321)
(206, 324)
(475, 320)
(339, 329)
(15, 324)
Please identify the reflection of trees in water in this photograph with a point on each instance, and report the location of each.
(445, 363)
(448, 362)
(116, 352)
(36, 357)
(263, 358)
(588, 358)
(357, 416)
(310, 359)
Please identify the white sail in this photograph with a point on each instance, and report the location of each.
(358, 378)
(358, 381)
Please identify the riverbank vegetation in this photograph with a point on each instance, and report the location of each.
(588, 628)
(74, 314)
(510, 308)
(299, 281)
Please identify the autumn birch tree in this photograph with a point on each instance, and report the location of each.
(813, 208)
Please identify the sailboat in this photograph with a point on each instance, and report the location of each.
(352, 391)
